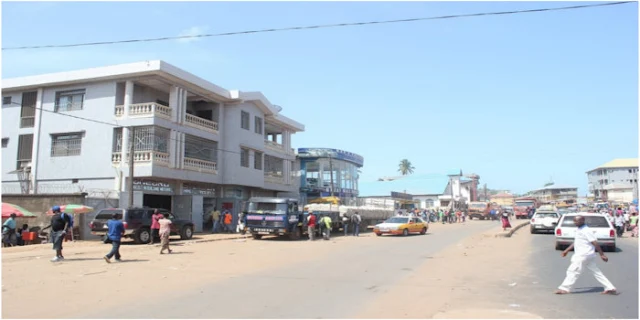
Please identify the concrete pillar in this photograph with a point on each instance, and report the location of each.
(183, 105)
(221, 155)
(128, 97)
(173, 149)
(35, 148)
(173, 103)
(124, 164)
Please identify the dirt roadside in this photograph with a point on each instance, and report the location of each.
(470, 279)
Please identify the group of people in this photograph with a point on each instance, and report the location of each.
(324, 224)
(10, 236)
(623, 221)
(223, 222)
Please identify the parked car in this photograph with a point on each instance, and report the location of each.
(137, 223)
(598, 224)
(544, 221)
(401, 225)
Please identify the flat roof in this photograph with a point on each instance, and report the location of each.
(618, 163)
(159, 68)
(555, 187)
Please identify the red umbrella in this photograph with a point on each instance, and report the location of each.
(8, 209)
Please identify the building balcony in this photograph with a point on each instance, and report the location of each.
(200, 165)
(143, 157)
(272, 177)
(274, 146)
(148, 109)
(201, 123)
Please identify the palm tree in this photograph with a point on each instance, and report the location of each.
(405, 167)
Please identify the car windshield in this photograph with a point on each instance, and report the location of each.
(546, 215)
(478, 205)
(590, 221)
(524, 203)
(397, 220)
(265, 207)
(107, 214)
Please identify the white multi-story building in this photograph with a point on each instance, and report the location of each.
(196, 145)
(619, 177)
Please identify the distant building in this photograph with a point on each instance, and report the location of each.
(503, 199)
(612, 176)
(619, 192)
(319, 167)
(554, 193)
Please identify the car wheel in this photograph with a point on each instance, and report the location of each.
(405, 232)
(424, 231)
(186, 233)
(295, 234)
(558, 246)
(257, 236)
(612, 248)
(142, 236)
(378, 234)
(533, 231)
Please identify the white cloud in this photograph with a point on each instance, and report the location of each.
(193, 31)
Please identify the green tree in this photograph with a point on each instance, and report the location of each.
(405, 167)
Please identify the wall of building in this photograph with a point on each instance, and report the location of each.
(11, 129)
(428, 201)
(235, 138)
(621, 195)
(614, 175)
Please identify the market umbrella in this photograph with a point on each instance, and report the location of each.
(8, 209)
(72, 209)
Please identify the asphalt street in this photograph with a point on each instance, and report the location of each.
(335, 287)
(548, 269)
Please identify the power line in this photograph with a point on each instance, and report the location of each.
(113, 125)
(336, 25)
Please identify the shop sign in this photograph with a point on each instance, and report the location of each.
(402, 196)
(153, 186)
(196, 191)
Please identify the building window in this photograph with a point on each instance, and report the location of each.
(258, 125)
(66, 144)
(257, 160)
(25, 145)
(201, 149)
(28, 109)
(5, 142)
(69, 100)
(244, 157)
(244, 117)
(6, 100)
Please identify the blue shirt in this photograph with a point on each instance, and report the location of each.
(116, 228)
(10, 223)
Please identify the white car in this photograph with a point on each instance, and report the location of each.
(544, 221)
(598, 224)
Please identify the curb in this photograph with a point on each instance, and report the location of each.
(513, 230)
(219, 239)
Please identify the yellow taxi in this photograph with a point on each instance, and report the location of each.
(401, 225)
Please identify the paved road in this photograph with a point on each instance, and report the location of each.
(354, 274)
(549, 269)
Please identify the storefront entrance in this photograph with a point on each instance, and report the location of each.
(156, 201)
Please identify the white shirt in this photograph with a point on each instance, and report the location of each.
(582, 243)
(619, 221)
(626, 217)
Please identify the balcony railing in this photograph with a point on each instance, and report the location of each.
(273, 178)
(148, 109)
(143, 157)
(201, 123)
(200, 165)
(27, 122)
(274, 146)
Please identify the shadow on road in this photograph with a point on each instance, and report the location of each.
(588, 290)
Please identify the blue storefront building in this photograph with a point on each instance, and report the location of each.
(320, 166)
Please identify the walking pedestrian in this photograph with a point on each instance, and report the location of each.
(59, 227)
(9, 238)
(155, 226)
(505, 221)
(633, 220)
(441, 216)
(215, 216)
(345, 224)
(585, 245)
(311, 226)
(327, 225)
(618, 222)
(240, 226)
(165, 232)
(228, 219)
(355, 221)
(115, 233)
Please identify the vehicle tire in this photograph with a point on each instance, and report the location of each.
(378, 234)
(533, 231)
(424, 231)
(405, 232)
(257, 236)
(142, 236)
(612, 248)
(481, 218)
(186, 233)
(295, 234)
(558, 246)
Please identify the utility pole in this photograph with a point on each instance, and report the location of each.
(452, 200)
(486, 198)
(132, 130)
(331, 169)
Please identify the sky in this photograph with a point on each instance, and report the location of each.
(517, 99)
